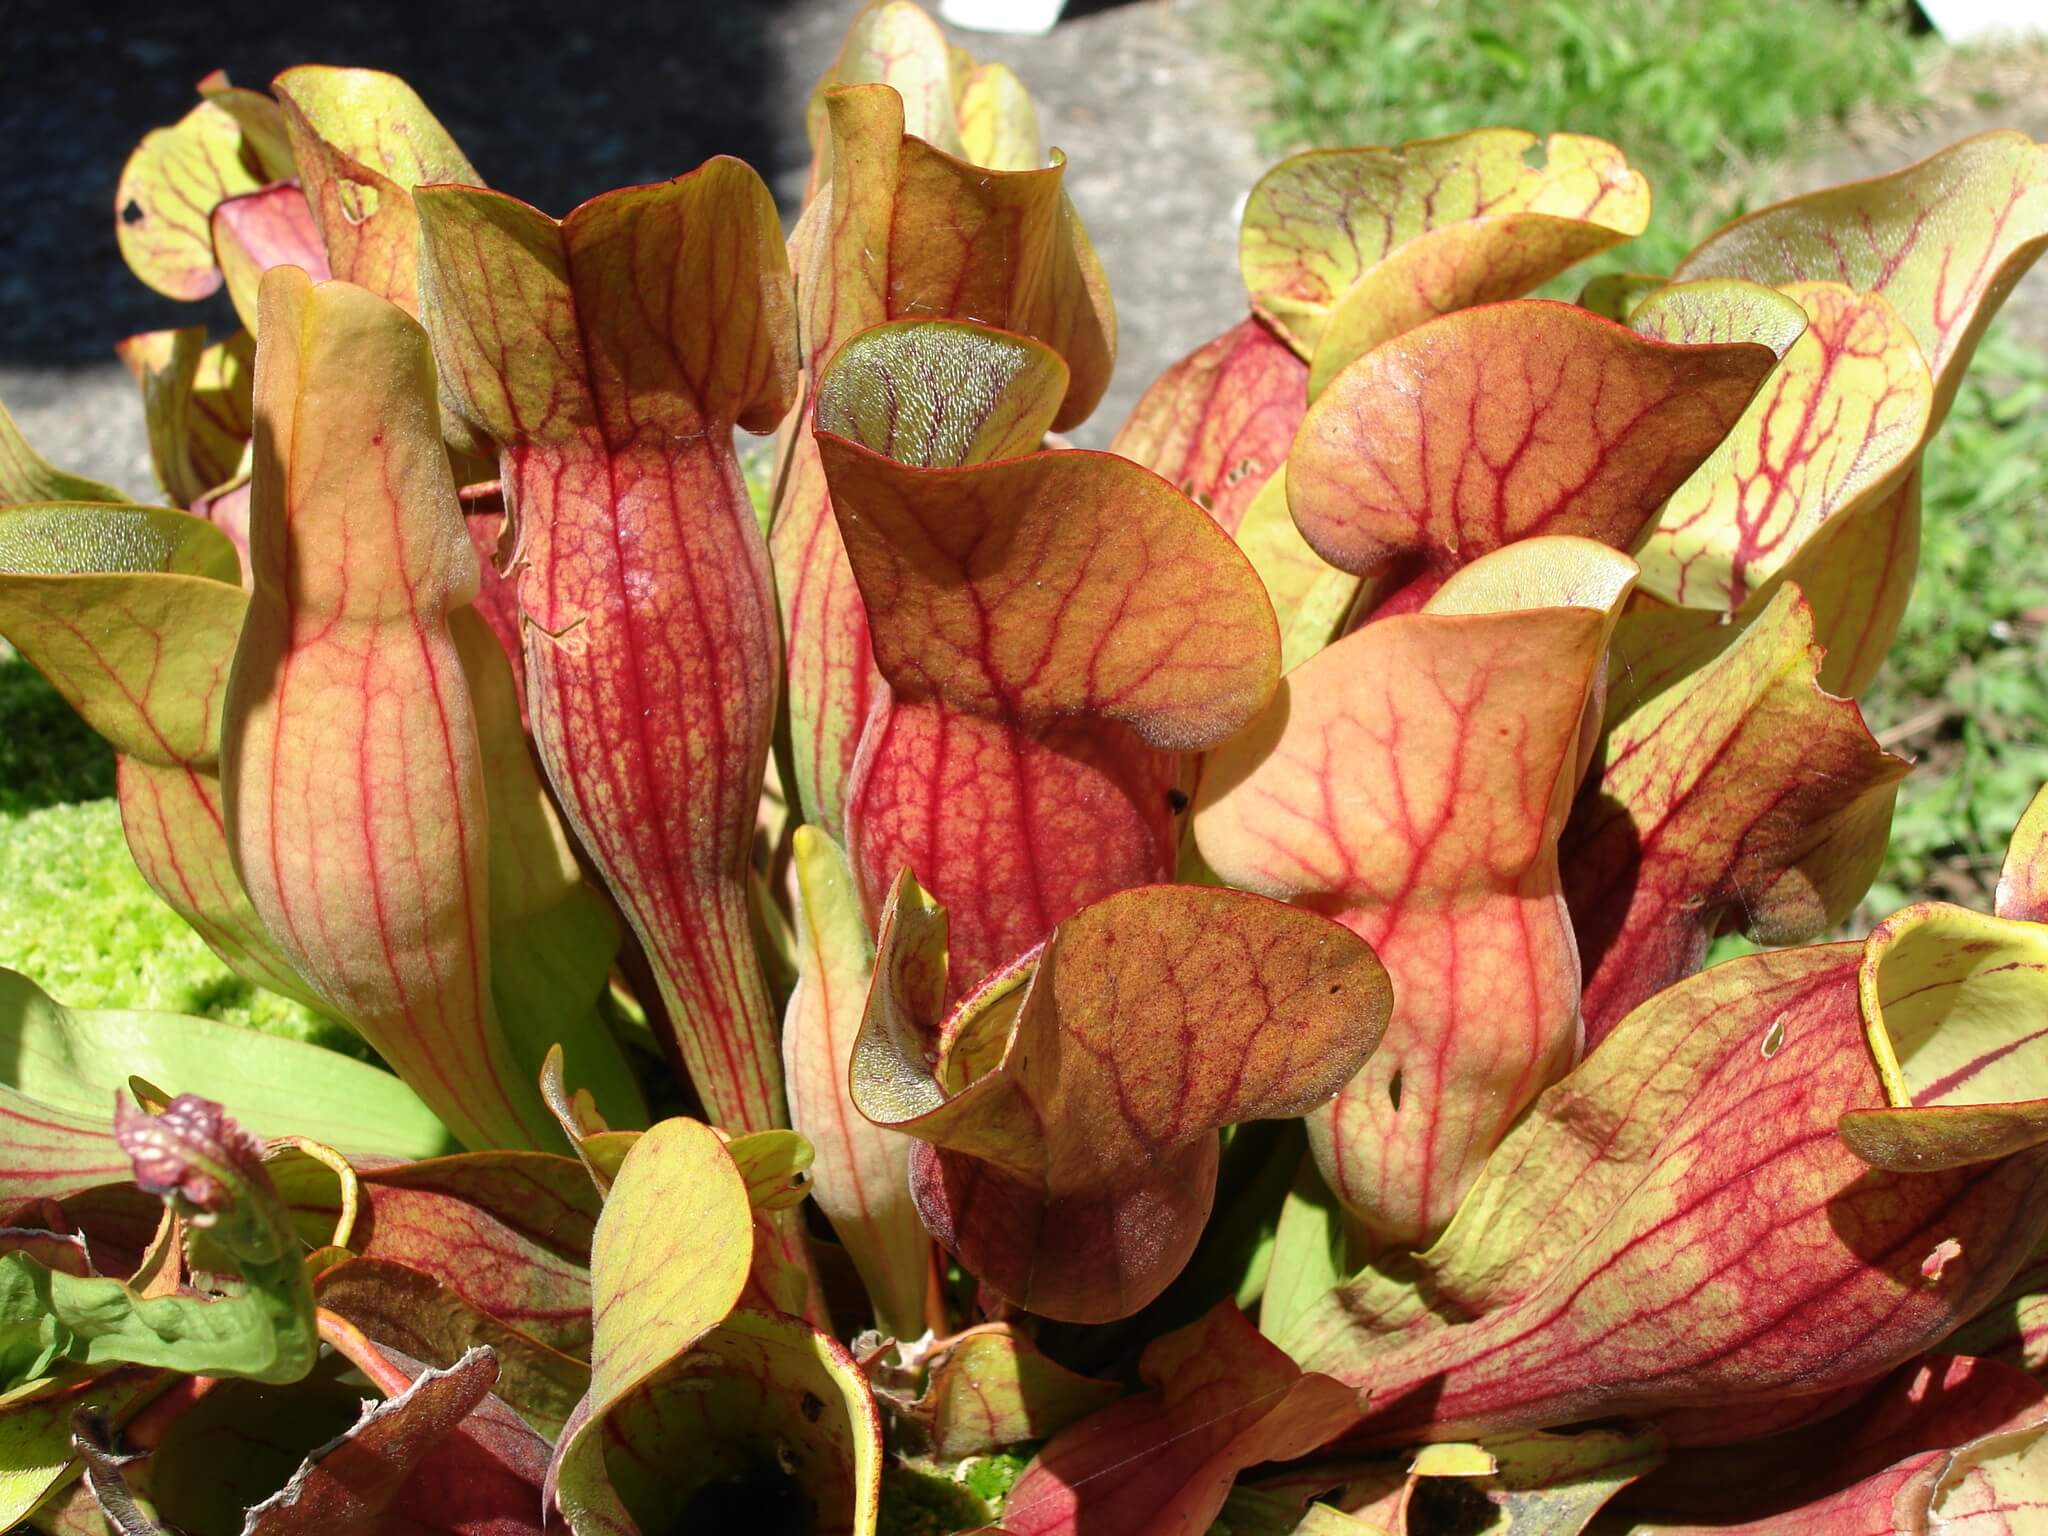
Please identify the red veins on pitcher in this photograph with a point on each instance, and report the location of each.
(1066, 1113)
(608, 357)
(1054, 631)
(1502, 423)
(911, 215)
(1695, 1162)
(373, 882)
(1412, 781)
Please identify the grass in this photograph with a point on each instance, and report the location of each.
(1704, 95)
(1699, 93)
(1966, 688)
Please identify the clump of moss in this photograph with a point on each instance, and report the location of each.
(990, 1478)
(77, 919)
(922, 1498)
(923, 1501)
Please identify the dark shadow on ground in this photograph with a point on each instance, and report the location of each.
(552, 103)
(48, 756)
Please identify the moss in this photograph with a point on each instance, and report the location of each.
(76, 916)
(77, 919)
(990, 1478)
(922, 1500)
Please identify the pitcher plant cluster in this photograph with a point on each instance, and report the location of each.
(1188, 960)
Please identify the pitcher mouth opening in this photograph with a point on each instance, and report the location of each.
(761, 1499)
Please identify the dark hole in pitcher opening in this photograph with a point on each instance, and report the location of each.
(762, 1500)
(1450, 1506)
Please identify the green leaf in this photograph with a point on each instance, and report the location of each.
(776, 1166)
(767, 1405)
(553, 938)
(670, 1256)
(1308, 1253)
(669, 1259)
(76, 1059)
(35, 1433)
(767, 1415)
(26, 475)
(209, 1170)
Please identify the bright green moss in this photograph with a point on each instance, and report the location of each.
(923, 1499)
(992, 1477)
(78, 920)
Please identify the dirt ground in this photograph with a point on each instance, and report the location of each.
(1967, 94)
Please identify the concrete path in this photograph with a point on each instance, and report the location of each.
(1159, 152)
(1154, 123)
